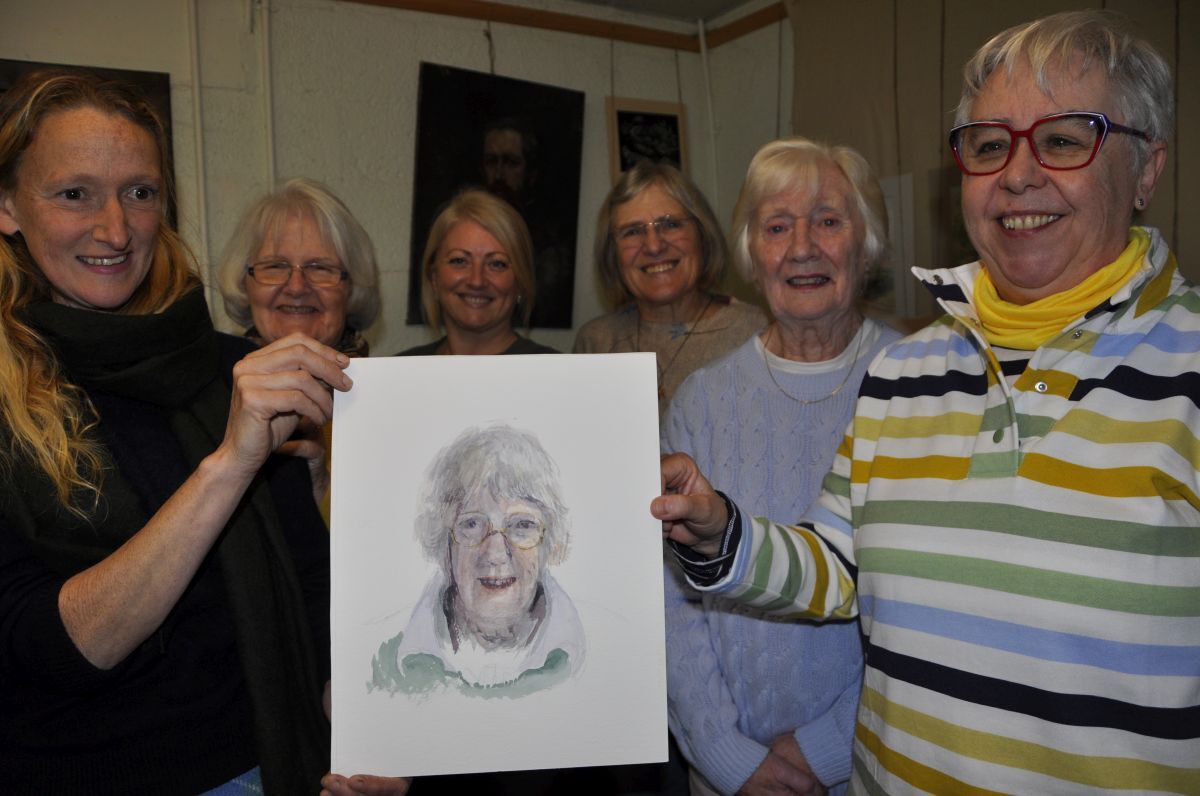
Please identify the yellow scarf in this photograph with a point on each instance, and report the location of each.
(1027, 326)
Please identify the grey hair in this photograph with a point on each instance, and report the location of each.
(793, 165)
(643, 174)
(1140, 78)
(264, 220)
(499, 459)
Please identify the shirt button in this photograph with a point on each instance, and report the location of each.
(1077, 333)
(937, 280)
(1041, 386)
(998, 436)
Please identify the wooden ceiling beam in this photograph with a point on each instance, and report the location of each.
(587, 26)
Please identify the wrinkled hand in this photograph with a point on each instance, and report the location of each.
(273, 389)
(307, 444)
(364, 785)
(783, 772)
(693, 514)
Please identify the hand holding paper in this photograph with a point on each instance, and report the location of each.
(692, 512)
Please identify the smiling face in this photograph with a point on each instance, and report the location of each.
(807, 252)
(87, 201)
(496, 581)
(658, 272)
(474, 281)
(1041, 231)
(297, 306)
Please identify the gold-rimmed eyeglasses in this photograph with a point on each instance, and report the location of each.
(523, 531)
(277, 272)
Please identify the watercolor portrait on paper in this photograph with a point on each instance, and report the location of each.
(493, 621)
(496, 576)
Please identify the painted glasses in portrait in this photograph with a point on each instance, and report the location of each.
(492, 621)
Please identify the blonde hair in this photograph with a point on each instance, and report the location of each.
(503, 223)
(265, 218)
(48, 420)
(714, 253)
(793, 165)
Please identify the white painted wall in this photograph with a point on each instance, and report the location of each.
(343, 88)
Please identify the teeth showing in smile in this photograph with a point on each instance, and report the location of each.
(105, 260)
(1028, 222)
(658, 268)
(477, 301)
(497, 583)
(805, 281)
(293, 309)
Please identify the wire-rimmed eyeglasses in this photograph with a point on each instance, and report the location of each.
(522, 530)
(277, 272)
(669, 228)
(1062, 142)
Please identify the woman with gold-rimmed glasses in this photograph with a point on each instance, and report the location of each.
(300, 262)
(493, 519)
(660, 257)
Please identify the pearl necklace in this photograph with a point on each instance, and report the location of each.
(862, 332)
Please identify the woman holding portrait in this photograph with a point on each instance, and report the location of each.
(1008, 512)
(755, 702)
(660, 256)
(164, 586)
(478, 279)
(299, 262)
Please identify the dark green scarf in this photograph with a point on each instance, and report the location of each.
(171, 359)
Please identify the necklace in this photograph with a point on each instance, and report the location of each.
(662, 372)
(862, 332)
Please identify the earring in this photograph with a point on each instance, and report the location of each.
(1140, 202)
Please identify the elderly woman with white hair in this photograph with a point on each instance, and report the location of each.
(755, 702)
(493, 619)
(300, 262)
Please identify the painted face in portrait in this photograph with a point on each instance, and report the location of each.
(504, 165)
(807, 253)
(1042, 231)
(496, 557)
(659, 247)
(300, 251)
(88, 203)
(474, 280)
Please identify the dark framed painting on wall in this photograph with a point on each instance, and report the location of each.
(155, 86)
(522, 141)
(645, 130)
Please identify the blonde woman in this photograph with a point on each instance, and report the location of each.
(478, 279)
(164, 600)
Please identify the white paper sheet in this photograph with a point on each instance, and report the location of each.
(596, 417)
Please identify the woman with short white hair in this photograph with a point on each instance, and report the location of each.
(753, 702)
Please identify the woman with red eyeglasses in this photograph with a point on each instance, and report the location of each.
(1013, 512)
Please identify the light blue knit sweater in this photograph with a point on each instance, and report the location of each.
(736, 680)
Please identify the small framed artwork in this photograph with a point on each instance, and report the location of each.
(645, 130)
